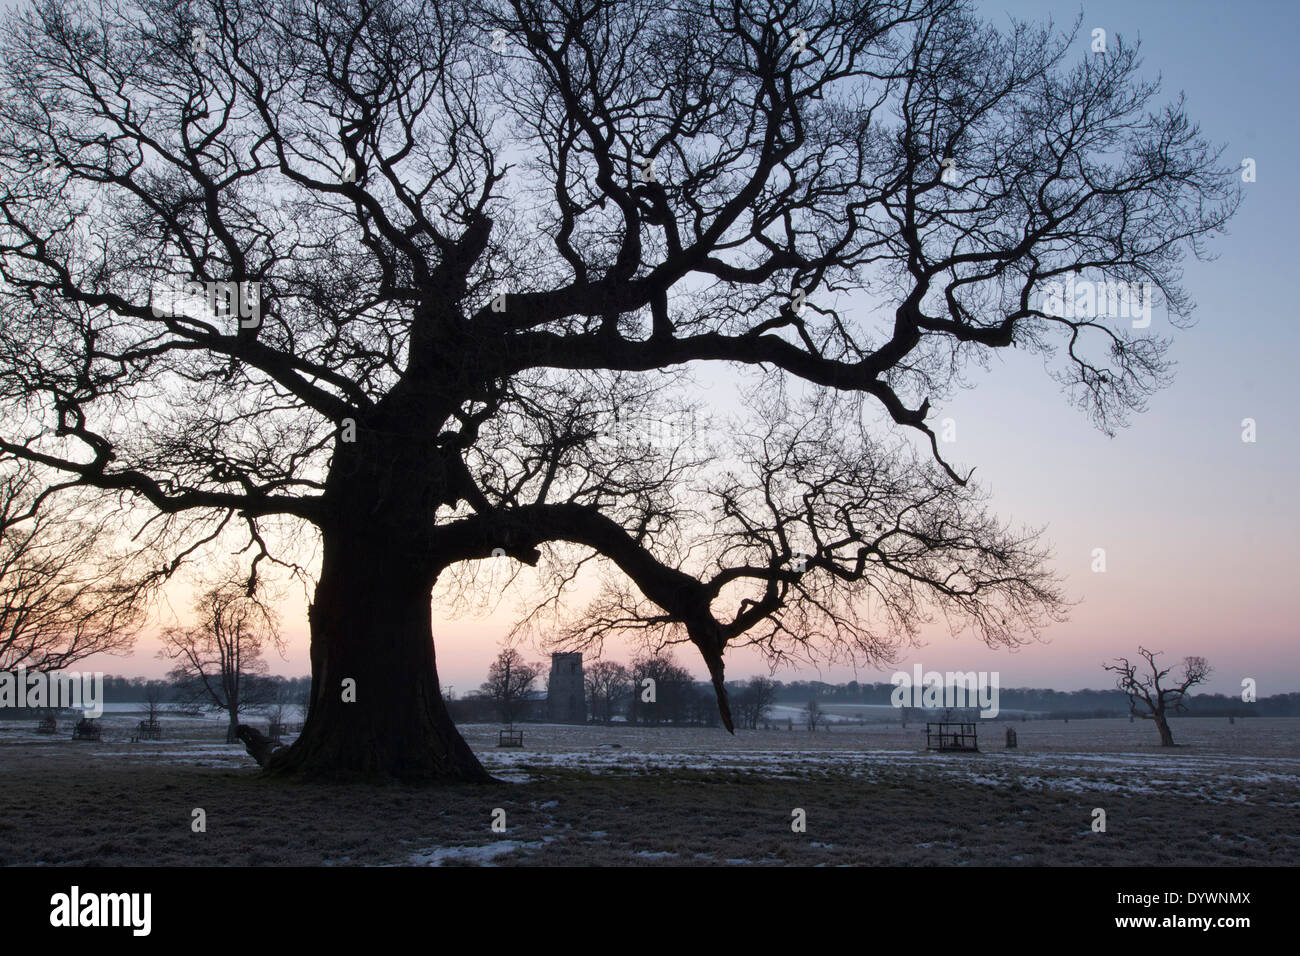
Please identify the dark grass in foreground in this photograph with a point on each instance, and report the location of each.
(142, 816)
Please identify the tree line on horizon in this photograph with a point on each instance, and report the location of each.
(1076, 703)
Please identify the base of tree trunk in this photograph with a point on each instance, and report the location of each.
(377, 712)
(325, 758)
(1166, 735)
(260, 747)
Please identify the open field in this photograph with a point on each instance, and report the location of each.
(1229, 795)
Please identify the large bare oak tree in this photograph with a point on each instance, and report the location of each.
(440, 252)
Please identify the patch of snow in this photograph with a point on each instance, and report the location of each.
(481, 855)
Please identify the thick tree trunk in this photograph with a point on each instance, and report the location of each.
(1166, 736)
(376, 711)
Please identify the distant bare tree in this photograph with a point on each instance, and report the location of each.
(1147, 698)
(700, 705)
(155, 692)
(219, 660)
(606, 681)
(813, 716)
(281, 698)
(62, 597)
(753, 701)
(302, 699)
(669, 691)
(510, 678)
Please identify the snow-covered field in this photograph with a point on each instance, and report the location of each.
(1217, 761)
(1213, 777)
(626, 795)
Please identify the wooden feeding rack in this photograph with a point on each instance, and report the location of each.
(87, 728)
(510, 738)
(946, 735)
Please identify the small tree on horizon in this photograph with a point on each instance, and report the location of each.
(1147, 698)
(302, 699)
(510, 678)
(753, 700)
(155, 692)
(667, 693)
(607, 682)
(219, 660)
(813, 716)
(281, 697)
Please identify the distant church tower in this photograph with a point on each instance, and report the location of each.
(566, 697)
